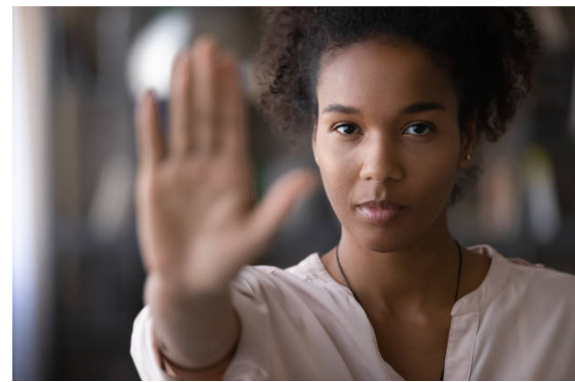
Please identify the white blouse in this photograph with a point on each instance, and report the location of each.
(300, 324)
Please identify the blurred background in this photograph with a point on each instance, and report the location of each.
(77, 274)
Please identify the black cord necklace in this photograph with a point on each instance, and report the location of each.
(456, 288)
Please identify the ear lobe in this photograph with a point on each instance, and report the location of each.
(468, 142)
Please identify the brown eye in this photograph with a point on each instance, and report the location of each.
(346, 128)
(419, 129)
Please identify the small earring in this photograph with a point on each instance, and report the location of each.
(316, 159)
(468, 157)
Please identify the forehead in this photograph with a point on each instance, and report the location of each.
(394, 75)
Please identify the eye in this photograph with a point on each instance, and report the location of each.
(346, 128)
(419, 129)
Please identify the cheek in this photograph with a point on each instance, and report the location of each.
(429, 188)
(431, 179)
(339, 176)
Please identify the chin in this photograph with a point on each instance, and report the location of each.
(402, 235)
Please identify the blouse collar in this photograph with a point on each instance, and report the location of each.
(497, 277)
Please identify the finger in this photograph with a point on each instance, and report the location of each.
(234, 131)
(204, 94)
(150, 140)
(180, 139)
(222, 75)
(279, 201)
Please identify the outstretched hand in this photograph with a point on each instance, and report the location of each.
(197, 221)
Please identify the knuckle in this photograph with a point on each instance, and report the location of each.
(183, 167)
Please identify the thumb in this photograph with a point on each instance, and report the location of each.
(280, 200)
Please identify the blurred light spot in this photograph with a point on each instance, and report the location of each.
(110, 208)
(153, 51)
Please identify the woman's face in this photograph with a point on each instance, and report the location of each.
(387, 130)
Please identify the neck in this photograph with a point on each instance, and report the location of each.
(414, 278)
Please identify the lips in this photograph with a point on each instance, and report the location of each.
(383, 203)
(380, 212)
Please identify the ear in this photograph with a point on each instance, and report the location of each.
(468, 143)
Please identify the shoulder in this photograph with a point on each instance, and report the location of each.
(513, 287)
(524, 322)
(257, 278)
(521, 275)
(543, 282)
(531, 288)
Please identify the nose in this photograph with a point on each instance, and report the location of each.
(381, 161)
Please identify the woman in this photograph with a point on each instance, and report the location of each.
(396, 102)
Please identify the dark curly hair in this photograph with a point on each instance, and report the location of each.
(489, 53)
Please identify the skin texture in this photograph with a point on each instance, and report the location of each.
(405, 271)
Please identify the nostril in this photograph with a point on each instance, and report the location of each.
(382, 172)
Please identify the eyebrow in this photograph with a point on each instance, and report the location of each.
(417, 107)
(340, 109)
(422, 106)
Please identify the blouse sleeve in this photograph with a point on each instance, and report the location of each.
(252, 311)
(144, 351)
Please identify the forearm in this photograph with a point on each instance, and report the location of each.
(192, 331)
